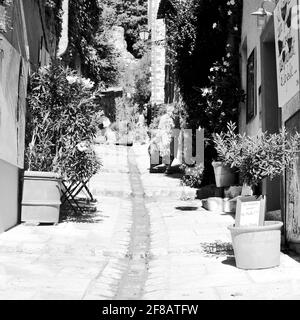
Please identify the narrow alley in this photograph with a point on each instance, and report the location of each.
(149, 239)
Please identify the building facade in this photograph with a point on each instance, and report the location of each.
(270, 78)
(27, 41)
(158, 53)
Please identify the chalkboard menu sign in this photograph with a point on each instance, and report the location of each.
(250, 211)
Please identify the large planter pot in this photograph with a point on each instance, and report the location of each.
(225, 176)
(41, 197)
(257, 247)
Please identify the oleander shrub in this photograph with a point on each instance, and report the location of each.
(62, 116)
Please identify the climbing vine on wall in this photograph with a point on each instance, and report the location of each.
(131, 15)
(89, 48)
(53, 8)
(203, 48)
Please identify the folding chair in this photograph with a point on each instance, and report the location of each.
(72, 190)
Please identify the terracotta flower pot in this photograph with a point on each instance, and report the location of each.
(41, 197)
(225, 176)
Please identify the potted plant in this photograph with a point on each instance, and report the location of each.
(192, 175)
(224, 175)
(256, 158)
(226, 145)
(160, 143)
(61, 125)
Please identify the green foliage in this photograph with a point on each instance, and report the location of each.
(89, 33)
(126, 117)
(126, 111)
(131, 15)
(157, 111)
(78, 162)
(264, 155)
(53, 8)
(142, 83)
(203, 47)
(228, 144)
(161, 135)
(193, 176)
(223, 96)
(62, 116)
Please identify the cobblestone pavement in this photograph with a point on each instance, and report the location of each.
(149, 239)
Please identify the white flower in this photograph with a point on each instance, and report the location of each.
(206, 91)
(229, 12)
(231, 3)
(72, 79)
(82, 147)
(88, 84)
(106, 123)
(214, 26)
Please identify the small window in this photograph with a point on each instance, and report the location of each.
(251, 86)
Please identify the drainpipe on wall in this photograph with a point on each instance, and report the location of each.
(64, 39)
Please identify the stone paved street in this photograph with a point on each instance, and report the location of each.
(149, 239)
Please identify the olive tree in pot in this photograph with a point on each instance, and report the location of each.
(61, 124)
(225, 144)
(256, 158)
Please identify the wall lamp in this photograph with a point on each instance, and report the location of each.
(144, 34)
(261, 13)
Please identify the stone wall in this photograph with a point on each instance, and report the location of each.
(158, 54)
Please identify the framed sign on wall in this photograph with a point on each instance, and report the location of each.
(286, 23)
(250, 211)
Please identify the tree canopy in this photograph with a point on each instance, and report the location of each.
(131, 15)
(89, 27)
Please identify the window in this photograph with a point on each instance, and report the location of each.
(169, 84)
(251, 86)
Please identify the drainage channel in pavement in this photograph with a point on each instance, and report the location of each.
(132, 284)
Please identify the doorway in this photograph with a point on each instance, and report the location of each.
(271, 113)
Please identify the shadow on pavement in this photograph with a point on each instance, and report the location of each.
(187, 208)
(87, 214)
(230, 261)
(218, 248)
